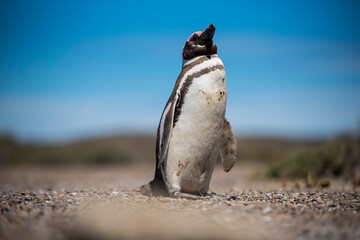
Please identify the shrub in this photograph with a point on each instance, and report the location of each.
(338, 157)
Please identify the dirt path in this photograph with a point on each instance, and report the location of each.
(99, 203)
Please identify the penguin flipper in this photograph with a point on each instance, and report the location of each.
(228, 147)
(165, 131)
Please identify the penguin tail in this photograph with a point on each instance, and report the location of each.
(145, 189)
(155, 188)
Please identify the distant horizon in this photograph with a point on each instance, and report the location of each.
(115, 134)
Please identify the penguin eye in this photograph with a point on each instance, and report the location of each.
(195, 36)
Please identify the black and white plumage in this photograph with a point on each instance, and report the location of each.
(193, 128)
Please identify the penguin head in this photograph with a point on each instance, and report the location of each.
(200, 43)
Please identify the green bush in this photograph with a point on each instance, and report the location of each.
(339, 157)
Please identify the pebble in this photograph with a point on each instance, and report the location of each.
(267, 219)
(266, 210)
(295, 210)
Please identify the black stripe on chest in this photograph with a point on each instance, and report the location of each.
(187, 83)
(171, 99)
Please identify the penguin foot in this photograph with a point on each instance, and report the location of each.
(186, 195)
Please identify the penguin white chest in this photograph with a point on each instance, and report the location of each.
(195, 139)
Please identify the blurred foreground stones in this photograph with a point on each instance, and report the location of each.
(100, 204)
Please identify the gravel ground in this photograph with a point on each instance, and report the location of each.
(100, 203)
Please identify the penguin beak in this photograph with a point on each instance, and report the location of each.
(206, 36)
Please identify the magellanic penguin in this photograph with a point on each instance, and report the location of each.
(193, 128)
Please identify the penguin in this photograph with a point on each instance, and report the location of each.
(193, 129)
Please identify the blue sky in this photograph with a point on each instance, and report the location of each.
(71, 69)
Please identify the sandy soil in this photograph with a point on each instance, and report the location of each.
(100, 203)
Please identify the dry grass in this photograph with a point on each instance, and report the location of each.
(132, 150)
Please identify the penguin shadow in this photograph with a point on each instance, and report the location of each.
(160, 191)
